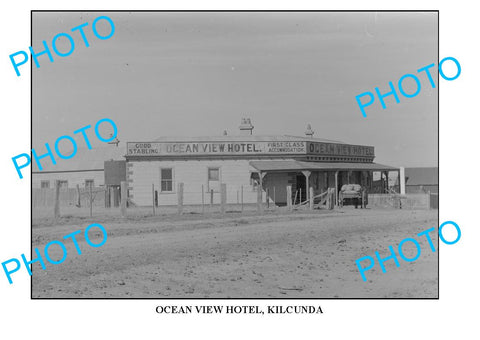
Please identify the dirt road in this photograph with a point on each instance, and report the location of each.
(300, 255)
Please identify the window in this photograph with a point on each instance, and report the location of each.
(213, 174)
(214, 179)
(166, 180)
(44, 184)
(89, 183)
(63, 184)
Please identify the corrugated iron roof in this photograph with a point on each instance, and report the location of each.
(247, 138)
(294, 165)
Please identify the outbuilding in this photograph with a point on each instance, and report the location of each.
(86, 169)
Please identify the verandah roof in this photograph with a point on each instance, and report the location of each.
(293, 165)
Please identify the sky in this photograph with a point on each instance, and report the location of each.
(199, 73)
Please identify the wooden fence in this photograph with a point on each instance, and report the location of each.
(97, 200)
(407, 201)
(68, 197)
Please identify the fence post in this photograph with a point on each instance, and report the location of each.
(333, 198)
(223, 193)
(274, 200)
(241, 194)
(327, 200)
(203, 200)
(180, 197)
(259, 198)
(79, 204)
(289, 197)
(123, 198)
(311, 198)
(107, 197)
(401, 174)
(56, 209)
(91, 198)
(336, 189)
(111, 192)
(267, 198)
(153, 199)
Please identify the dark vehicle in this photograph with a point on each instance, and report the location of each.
(352, 194)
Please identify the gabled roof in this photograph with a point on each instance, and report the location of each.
(84, 160)
(421, 176)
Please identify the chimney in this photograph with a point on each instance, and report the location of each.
(246, 127)
(309, 132)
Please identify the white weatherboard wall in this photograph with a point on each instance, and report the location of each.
(73, 178)
(193, 173)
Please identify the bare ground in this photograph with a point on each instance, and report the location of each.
(275, 255)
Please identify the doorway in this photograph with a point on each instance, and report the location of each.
(301, 194)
